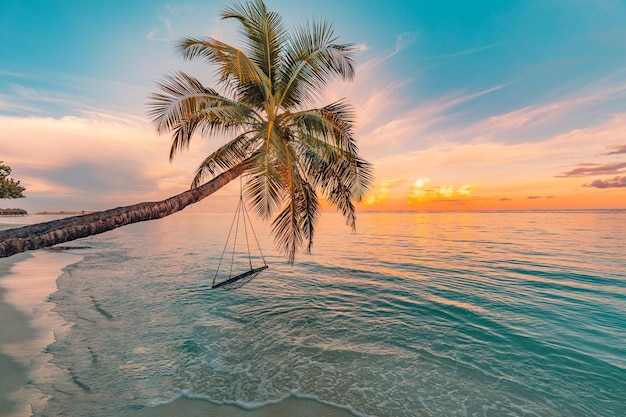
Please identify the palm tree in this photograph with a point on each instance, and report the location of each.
(287, 150)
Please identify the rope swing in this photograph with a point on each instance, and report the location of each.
(241, 220)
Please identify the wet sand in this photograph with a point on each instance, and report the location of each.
(28, 325)
(15, 329)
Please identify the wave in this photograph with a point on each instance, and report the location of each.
(284, 406)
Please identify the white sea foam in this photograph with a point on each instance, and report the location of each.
(339, 410)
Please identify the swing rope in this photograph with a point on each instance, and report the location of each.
(241, 214)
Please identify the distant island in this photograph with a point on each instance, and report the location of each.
(63, 212)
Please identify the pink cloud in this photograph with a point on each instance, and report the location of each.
(96, 157)
(618, 150)
(616, 182)
(586, 169)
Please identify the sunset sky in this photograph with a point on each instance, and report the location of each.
(461, 105)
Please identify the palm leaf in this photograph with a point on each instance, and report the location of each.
(333, 124)
(237, 71)
(233, 153)
(295, 224)
(263, 35)
(312, 60)
(185, 105)
(264, 187)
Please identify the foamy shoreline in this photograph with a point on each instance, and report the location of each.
(28, 327)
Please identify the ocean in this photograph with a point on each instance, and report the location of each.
(415, 314)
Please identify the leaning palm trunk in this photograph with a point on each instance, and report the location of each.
(290, 151)
(47, 234)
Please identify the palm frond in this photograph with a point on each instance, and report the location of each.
(287, 236)
(312, 60)
(185, 105)
(341, 178)
(263, 34)
(332, 123)
(328, 154)
(310, 212)
(352, 180)
(181, 95)
(265, 188)
(295, 224)
(233, 153)
(236, 70)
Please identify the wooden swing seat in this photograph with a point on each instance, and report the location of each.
(241, 218)
(240, 280)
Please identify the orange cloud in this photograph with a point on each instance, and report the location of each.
(420, 194)
(381, 191)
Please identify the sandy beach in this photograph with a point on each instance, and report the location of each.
(15, 328)
(28, 326)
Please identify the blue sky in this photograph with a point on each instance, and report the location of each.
(482, 104)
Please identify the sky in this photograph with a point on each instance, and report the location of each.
(461, 105)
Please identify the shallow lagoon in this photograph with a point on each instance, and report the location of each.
(418, 314)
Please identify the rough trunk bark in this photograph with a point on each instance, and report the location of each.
(47, 234)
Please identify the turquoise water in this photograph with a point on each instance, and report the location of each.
(418, 314)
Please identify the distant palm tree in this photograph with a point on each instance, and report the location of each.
(9, 188)
(288, 152)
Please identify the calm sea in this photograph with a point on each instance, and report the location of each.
(417, 314)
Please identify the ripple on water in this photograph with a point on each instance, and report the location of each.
(416, 315)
